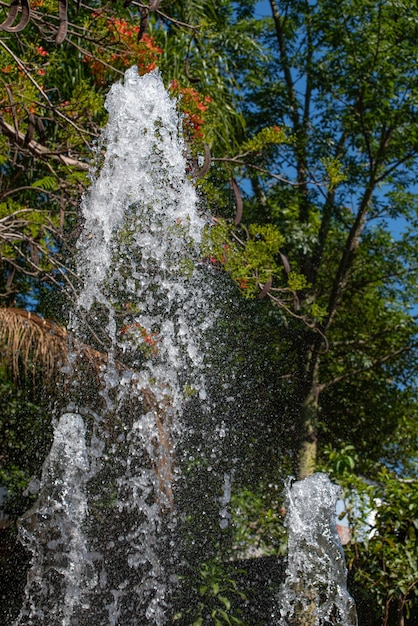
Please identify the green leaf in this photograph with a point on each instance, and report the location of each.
(225, 602)
(49, 183)
(215, 588)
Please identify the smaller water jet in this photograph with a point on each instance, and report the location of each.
(315, 589)
(58, 518)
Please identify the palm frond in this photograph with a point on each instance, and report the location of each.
(31, 344)
(27, 342)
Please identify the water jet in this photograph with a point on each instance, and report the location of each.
(103, 533)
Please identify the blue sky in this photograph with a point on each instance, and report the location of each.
(396, 226)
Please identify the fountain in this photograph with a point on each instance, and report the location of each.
(104, 531)
(107, 487)
(314, 592)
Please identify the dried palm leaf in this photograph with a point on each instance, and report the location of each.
(29, 343)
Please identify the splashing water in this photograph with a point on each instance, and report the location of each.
(315, 591)
(53, 528)
(102, 535)
(102, 532)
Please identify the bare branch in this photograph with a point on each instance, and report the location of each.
(38, 149)
(238, 161)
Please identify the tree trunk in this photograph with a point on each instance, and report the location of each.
(307, 409)
(307, 452)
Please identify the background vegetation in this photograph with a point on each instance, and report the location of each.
(309, 111)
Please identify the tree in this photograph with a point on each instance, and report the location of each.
(341, 82)
(316, 240)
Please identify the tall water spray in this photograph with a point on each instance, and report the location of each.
(101, 532)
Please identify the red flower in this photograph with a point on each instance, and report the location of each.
(143, 53)
(194, 105)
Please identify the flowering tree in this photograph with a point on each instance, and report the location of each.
(51, 104)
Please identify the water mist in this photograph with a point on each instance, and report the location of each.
(103, 532)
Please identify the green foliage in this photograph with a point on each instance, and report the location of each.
(217, 592)
(49, 183)
(270, 135)
(257, 520)
(341, 462)
(318, 312)
(333, 171)
(297, 282)
(383, 551)
(25, 431)
(251, 261)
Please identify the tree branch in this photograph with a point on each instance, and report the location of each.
(38, 149)
(360, 370)
(239, 161)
